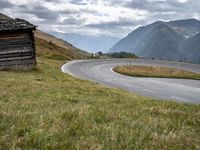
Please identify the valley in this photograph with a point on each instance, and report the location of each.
(73, 99)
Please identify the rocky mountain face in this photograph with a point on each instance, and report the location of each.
(174, 40)
(188, 27)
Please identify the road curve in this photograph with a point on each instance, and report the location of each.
(100, 71)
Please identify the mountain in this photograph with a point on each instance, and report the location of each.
(162, 40)
(52, 47)
(157, 40)
(161, 37)
(191, 49)
(188, 27)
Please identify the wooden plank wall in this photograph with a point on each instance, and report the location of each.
(17, 50)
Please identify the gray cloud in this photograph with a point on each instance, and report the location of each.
(40, 12)
(114, 24)
(5, 4)
(114, 18)
(187, 8)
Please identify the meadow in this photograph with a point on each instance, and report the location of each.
(46, 109)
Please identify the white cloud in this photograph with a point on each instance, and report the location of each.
(182, 1)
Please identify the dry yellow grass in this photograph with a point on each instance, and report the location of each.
(155, 71)
(51, 50)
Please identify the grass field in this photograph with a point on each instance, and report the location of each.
(155, 71)
(46, 109)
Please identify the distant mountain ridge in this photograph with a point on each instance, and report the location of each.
(51, 47)
(164, 40)
(187, 27)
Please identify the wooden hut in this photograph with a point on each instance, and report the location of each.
(17, 44)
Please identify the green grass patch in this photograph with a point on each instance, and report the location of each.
(155, 71)
(46, 109)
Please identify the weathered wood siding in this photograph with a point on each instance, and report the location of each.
(17, 50)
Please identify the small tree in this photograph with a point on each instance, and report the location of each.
(100, 53)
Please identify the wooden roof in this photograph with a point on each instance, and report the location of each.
(15, 24)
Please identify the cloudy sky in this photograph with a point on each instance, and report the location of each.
(97, 24)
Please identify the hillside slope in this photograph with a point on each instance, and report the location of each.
(52, 51)
(2, 16)
(51, 47)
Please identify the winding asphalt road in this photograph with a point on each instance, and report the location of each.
(100, 71)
